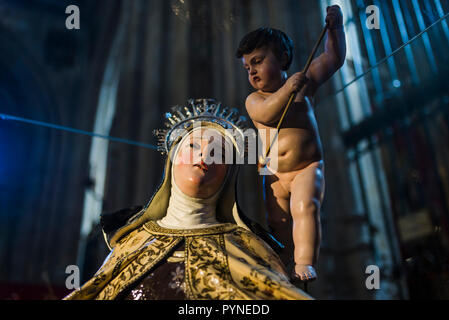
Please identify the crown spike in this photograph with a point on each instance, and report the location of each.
(217, 109)
(231, 114)
(241, 120)
(169, 117)
(224, 112)
(187, 111)
(178, 111)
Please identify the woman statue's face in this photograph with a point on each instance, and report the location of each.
(196, 173)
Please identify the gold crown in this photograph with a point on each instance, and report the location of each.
(205, 110)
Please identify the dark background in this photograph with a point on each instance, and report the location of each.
(385, 136)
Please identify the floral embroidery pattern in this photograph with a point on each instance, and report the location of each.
(207, 270)
(132, 257)
(228, 265)
(177, 281)
(141, 262)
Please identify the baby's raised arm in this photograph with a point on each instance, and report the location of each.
(333, 57)
(267, 110)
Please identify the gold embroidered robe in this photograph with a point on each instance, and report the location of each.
(223, 262)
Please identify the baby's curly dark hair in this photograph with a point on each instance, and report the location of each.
(273, 39)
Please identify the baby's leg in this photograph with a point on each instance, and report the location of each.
(279, 217)
(307, 191)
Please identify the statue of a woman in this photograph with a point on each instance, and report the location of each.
(191, 240)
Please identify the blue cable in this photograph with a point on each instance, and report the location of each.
(87, 133)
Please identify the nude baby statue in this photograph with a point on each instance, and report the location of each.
(294, 192)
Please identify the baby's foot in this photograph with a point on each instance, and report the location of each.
(304, 272)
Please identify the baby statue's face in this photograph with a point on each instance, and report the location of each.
(194, 172)
(264, 70)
